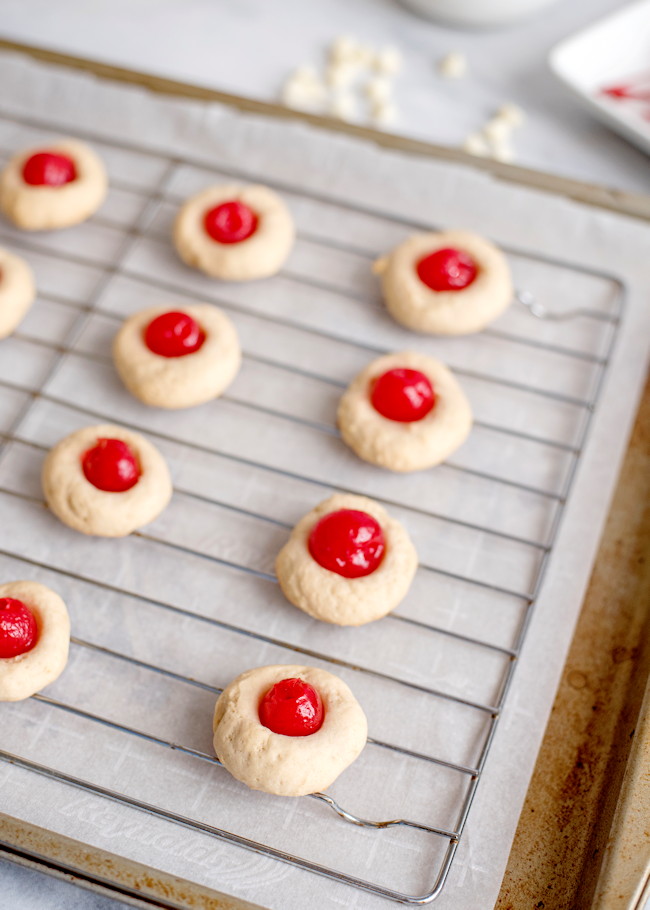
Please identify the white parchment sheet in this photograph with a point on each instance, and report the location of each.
(194, 593)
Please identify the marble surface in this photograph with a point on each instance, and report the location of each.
(31, 890)
(249, 46)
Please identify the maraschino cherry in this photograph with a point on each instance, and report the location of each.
(292, 707)
(49, 169)
(402, 395)
(230, 222)
(111, 466)
(18, 629)
(348, 542)
(174, 334)
(447, 270)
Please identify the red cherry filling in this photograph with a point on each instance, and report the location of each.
(174, 335)
(348, 542)
(49, 169)
(111, 466)
(402, 395)
(18, 629)
(292, 707)
(230, 222)
(447, 270)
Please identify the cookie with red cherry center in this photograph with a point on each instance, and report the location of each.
(34, 638)
(17, 291)
(53, 186)
(404, 412)
(177, 357)
(235, 232)
(447, 283)
(347, 561)
(105, 481)
(288, 730)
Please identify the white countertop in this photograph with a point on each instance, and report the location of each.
(249, 46)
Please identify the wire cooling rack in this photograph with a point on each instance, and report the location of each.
(246, 467)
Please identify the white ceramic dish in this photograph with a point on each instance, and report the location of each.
(614, 51)
(476, 13)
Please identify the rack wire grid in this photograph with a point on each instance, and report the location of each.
(246, 467)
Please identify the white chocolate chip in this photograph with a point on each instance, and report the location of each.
(497, 130)
(342, 49)
(343, 106)
(384, 113)
(378, 89)
(453, 66)
(511, 113)
(388, 61)
(503, 151)
(340, 75)
(305, 73)
(303, 95)
(476, 144)
(364, 56)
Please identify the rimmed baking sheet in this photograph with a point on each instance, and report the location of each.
(194, 596)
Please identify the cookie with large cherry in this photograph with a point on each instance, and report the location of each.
(288, 730)
(106, 481)
(17, 291)
(177, 357)
(53, 186)
(404, 412)
(347, 561)
(34, 638)
(235, 232)
(445, 283)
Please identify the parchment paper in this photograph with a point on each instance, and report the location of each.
(274, 418)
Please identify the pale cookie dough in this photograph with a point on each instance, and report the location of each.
(28, 673)
(260, 255)
(17, 291)
(80, 505)
(405, 446)
(332, 598)
(178, 382)
(42, 208)
(413, 304)
(287, 765)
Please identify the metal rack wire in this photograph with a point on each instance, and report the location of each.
(594, 354)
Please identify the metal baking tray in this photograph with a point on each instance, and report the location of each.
(530, 433)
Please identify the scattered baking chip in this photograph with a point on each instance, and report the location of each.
(383, 113)
(503, 151)
(378, 89)
(304, 91)
(497, 130)
(343, 106)
(494, 139)
(388, 61)
(453, 65)
(342, 48)
(476, 144)
(363, 56)
(356, 83)
(340, 75)
(511, 113)
(306, 74)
